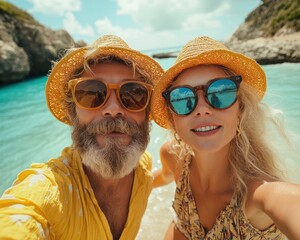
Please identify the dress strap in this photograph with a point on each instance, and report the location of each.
(183, 177)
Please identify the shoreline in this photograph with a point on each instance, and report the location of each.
(272, 50)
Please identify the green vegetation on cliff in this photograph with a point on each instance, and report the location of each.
(16, 13)
(274, 15)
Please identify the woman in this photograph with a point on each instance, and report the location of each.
(228, 185)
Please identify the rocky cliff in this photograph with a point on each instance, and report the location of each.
(271, 33)
(27, 47)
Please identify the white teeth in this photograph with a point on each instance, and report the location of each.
(206, 129)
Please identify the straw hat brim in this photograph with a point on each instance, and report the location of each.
(56, 86)
(249, 69)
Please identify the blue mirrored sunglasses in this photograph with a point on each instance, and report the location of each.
(219, 93)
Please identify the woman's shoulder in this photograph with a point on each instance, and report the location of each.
(263, 198)
(262, 190)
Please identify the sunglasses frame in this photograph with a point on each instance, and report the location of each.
(109, 86)
(166, 94)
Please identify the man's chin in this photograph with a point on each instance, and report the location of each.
(113, 161)
(114, 154)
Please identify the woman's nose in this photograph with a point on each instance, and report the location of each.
(202, 107)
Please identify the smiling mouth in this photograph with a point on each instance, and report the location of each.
(205, 129)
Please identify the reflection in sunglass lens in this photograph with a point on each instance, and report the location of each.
(182, 100)
(91, 93)
(219, 93)
(134, 96)
(222, 93)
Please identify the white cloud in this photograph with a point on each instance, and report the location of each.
(75, 28)
(55, 7)
(200, 21)
(158, 24)
(165, 23)
(104, 26)
(206, 21)
(143, 39)
(172, 14)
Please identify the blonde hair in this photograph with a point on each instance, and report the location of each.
(251, 155)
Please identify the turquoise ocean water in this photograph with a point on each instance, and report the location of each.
(29, 133)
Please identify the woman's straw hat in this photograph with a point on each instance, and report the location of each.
(204, 50)
(56, 86)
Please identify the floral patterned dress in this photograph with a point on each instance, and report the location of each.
(230, 224)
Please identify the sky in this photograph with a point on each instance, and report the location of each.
(143, 24)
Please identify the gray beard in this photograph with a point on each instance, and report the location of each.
(114, 160)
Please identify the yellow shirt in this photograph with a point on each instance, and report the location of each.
(54, 200)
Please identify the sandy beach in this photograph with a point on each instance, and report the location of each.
(158, 213)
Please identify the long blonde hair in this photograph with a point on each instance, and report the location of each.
(251, 155)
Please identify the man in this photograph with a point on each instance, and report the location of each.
(98, 188)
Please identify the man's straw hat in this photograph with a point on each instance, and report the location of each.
(56, 86)
(204, 50)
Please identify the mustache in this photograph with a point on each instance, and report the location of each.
(112, 125)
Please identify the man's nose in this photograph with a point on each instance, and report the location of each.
(112, 107)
